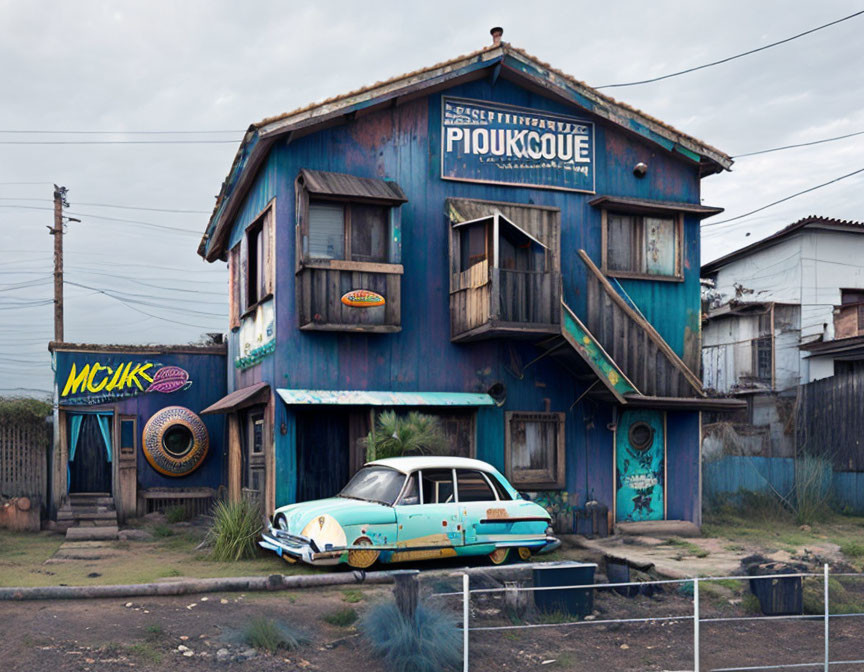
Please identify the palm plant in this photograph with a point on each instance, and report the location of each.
(413, 434)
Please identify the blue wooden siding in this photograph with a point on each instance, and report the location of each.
(403, 143)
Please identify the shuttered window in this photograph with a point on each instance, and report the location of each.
(254, 278)
(326, 231)
(535, 450)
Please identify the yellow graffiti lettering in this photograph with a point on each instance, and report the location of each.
(116, 379)
(131, 377)
(75, 380)
(93, 370)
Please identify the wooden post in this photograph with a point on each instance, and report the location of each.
(234, 458)
(57, 232)
(406, 592)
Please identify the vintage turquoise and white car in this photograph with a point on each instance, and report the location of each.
(413, 508)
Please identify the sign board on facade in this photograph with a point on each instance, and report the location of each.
(107, 378)
(502, 144)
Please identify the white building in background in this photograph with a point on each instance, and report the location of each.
(784, 311)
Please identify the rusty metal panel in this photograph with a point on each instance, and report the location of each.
(321, 183)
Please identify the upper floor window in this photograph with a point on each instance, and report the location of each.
(849, 315)
(642, 245)
(251, 271)
(534, 447)
(349, 231)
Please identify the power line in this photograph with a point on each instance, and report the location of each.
(118, 132)
(801, 144)
(111, 205)
(732, 58)
(119, 142)
(783, 200)
(109, 219)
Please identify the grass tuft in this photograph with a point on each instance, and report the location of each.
(155, 632)
(853, 549)
(161, 530)
(352, 596)
(429, 643)
(341, 617)
(269, 635)
(176, 514)
(234, 532)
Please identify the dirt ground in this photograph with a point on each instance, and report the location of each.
(144, 634)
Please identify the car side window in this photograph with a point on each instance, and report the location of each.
(411, 495)
(438, 486)
(473, 487)
(500, 490)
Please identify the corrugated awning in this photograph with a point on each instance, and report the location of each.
(648, 206)
(321, 183)
(372, 398)
(246, 396)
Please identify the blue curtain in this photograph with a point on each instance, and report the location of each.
(105, 428)
(74, 430)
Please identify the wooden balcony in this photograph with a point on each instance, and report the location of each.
(495, 303)
(321, 286)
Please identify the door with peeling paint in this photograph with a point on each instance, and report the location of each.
(640, 466)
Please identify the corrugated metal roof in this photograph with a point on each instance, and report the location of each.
(814, 221)
(321, 183)
(373, 398)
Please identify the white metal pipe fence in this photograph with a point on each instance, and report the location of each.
(696, 618)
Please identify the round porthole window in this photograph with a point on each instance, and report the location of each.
(641, 435)
(175, 441)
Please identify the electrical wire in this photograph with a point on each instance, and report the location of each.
(783, 200)
(111, 205)
(732, 58)
(126, 299)
(119, 142)
(800, 144)
(109, 219)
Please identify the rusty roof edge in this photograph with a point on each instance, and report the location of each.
(603, 106)
(209, 349)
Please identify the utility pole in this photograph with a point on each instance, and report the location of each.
(59, 202)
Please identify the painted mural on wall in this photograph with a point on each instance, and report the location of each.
(640, 466)
(105, 378)
(502, 144)
(257, 337)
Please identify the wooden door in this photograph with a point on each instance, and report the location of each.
(254, 469)
(640, 466)
(322, 453)
(90, 471)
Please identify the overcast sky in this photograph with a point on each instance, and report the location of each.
(218, 66)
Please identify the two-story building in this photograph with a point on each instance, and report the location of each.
(784, 311)
(489, 241)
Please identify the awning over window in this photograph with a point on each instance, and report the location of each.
(370, 398)
(246, 396)
(647, 206)
(321, 183)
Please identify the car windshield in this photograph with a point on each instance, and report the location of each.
(375, 484)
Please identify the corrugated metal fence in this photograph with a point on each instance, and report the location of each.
(24, 448)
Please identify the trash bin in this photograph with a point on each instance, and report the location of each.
(777, 597)
(577, 602)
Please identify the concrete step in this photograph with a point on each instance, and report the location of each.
(80, 514)
(659, 528)
(90, 500)
(102, 533)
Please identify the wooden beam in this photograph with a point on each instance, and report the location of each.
(649, 329)
(235, 458)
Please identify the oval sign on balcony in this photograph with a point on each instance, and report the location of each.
(362, 298)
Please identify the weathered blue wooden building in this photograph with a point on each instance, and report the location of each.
(487, 240)
(128, 437)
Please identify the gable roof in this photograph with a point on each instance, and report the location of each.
(505, 61)
(810, 222)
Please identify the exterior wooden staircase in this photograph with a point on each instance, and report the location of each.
(89, 516)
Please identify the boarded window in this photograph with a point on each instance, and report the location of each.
(854, 297)
(642, 245)
(368, 224)
(472, 486)
(473, 245)
(535, 450)
(127, 435)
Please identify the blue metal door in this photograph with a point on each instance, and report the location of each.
(640, 466)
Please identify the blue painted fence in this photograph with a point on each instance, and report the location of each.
(735, 473)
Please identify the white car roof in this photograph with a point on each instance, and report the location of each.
(409, 464)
